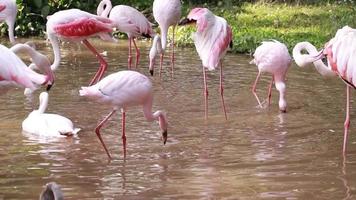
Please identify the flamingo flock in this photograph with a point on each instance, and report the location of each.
(125, 89)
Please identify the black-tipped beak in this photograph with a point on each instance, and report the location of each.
(186, 21)
(164, 136)
(151, 72)
(49, 87)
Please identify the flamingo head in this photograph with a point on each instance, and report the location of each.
(198, 16)
(155, 49)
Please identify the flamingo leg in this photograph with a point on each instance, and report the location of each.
(130, 55)
(137, 53)
(254, 88)
(347, 120)
(97, 131)
(160, 65)
(206, 93)
(172, 56)
(123, 131)
(222, 89)
(270, 91)
(103, 64)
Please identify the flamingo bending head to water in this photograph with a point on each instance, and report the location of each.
(77, 26)
(340, 52)
(122, 90)
(8, 12)
(273, 57)
(127, 20)
(211, 40)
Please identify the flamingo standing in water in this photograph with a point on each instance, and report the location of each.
(127, 20)
(14, 72)
(211, 40)
(8, 12)
(41, 123)
(122, 90)
(167, 13)
(272, 57)
(341, 56)
(76, 25)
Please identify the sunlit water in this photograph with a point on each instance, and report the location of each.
(256, 154)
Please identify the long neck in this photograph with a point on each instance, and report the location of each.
(303, 60)
(56, 50)
(104, 12)
(164, 32)
(11, 26)
(281, 87)
(43, 102)
(158, 115)
(155, 49)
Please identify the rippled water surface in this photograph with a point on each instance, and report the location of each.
(258, 153)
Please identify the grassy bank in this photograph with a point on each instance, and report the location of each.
(253, 23)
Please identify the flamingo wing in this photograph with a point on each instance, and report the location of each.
(2, 7)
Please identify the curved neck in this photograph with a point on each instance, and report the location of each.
(104, 8)
(164, 32)
(43, 102)
(11, 26)
(155, 49)
(303, 60)
(158, 115)
(56, 50)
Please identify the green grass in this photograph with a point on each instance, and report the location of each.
(290, 24)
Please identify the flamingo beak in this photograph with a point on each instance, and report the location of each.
(164, 136)
(186, 21)
(151, 72)
(49, 87)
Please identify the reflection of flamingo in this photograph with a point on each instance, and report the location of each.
(122, 90)
(14, 71)
(128, 20)
(211, 40)
(77, 25)
(8, 12)
(52, 191)
(45, 124)
(166, 13)
(340, 53)
(272, 57)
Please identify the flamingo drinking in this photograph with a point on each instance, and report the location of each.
(41, 123)
(76, 25)
(122, 90)
(8, 12)
(272, 57)
(341, 57)
(211, 40)
(167, 13)
(14, 72)
(127, 20)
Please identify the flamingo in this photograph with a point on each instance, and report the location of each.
(41, 123)
(122, 90)
(211, 40)
(14, 72)
(273, 57)
(127, 20)
(340, 54)
(76, 25)
(8, 12)
(167, 14)
(52, 191)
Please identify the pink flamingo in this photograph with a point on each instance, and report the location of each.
(76, 25)
(211, 40)
(14, 72)
(122, 90)
(8, 12)
(340, 53)
(166, 13)
(127, 20)
(272, 57)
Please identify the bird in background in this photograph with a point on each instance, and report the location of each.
(52, 191)
(212, 39)
(40, 123)
(8, 13)
(167, 13)
(122, 90)
(77, 26)
(340, 52)
(127, 20)
(14, 72)
(272, 57)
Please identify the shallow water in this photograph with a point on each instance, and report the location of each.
(256, 154)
